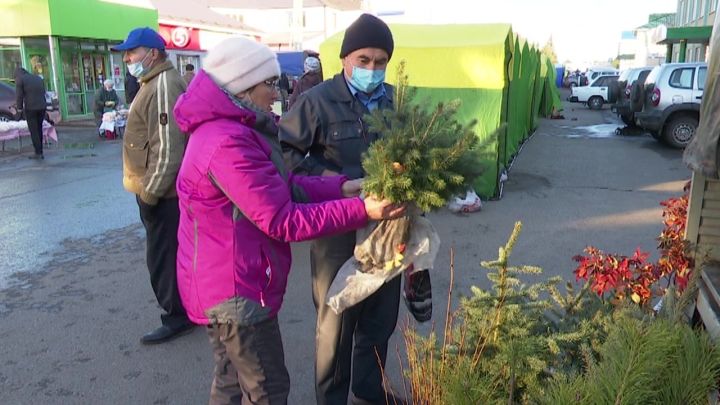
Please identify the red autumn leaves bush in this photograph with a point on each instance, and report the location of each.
(635, 277)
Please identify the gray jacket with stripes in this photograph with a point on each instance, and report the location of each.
(153, 145)
(325, 130)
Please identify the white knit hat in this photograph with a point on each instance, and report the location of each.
(238, 63)
(312, 64)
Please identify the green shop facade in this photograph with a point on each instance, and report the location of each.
(67, 42)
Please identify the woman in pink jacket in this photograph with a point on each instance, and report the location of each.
(239, 210)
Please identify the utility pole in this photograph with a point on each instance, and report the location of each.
(297, 25)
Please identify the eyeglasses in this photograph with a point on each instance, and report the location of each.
(271, 82)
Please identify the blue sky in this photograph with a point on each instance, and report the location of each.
(582, 30)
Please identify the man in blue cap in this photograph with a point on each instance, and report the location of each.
(153, 147)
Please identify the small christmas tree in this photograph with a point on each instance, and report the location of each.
(425, 156)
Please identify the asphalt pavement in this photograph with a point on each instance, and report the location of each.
(75, 296)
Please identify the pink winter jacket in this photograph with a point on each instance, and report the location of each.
(236, 211)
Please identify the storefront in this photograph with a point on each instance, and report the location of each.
(190, 31)
(66, 42)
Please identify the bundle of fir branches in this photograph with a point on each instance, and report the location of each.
(424, 157)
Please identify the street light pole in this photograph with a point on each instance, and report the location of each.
(297, 25)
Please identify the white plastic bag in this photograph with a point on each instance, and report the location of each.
(352, 285)
(470, 203)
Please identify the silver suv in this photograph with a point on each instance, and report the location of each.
(671, 111)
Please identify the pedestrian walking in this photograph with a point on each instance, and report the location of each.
(153, 148)
(30, 93)
(239, 209)
(325, 134)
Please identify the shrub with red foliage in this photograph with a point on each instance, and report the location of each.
(635, 277)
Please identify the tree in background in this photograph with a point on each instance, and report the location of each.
(549, 51)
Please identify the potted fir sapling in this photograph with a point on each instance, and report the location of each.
(424, 157)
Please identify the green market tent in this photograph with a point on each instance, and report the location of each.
(73, 18)
(495, 75)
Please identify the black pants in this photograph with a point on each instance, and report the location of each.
(249, 364)
(161, 227)
(369, 324)
(34, 120)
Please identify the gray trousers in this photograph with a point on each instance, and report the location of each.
(249, 364)
(369, 323)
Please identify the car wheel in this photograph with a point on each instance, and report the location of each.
(5, 117)
(680, 131)
(595, 102)
(627, 119)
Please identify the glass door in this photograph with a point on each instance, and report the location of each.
(94, 74)
(72, 75)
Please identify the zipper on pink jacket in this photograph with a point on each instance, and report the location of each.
(262, 299)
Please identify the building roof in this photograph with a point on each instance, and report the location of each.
(655, 20)
(196, 13)
(284, 4)
(693, 35)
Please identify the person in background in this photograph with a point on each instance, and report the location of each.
(106, 99)
(324, 134)
(153, 148)
(239, 208)
(131, 88)
(308, 80)
(284, 87)
(30, 93)
(189, 73)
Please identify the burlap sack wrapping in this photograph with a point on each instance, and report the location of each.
(383, 251)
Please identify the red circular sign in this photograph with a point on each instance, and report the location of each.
(180, 37)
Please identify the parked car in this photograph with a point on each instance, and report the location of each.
(624, 106)
(8, 99)
(594, 73)
(671, 109)
(596, 94)
(574, 79)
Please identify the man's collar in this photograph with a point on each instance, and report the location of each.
(156, 70)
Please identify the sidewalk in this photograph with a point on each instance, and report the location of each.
(71, 135)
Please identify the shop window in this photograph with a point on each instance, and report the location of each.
(9, 59)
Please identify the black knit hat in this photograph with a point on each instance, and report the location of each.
(367, 31)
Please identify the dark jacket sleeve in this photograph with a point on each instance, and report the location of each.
(19, 92)
(299, 128)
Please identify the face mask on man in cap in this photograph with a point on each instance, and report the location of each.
(366, 80)
(138, 69)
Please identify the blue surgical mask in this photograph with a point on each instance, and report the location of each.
(366, 80)
(137, 69)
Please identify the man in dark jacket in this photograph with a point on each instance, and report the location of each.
(131, 88)
(30, 91)
(324, 134)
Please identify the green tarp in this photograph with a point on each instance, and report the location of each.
(499, 78)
